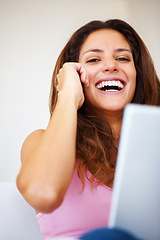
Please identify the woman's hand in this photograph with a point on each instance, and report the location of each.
(69, 80)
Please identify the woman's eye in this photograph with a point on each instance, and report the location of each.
(123, 59)
(93, 60)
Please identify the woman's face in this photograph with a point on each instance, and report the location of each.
(107, 58)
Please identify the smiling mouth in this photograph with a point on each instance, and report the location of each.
(110, 86)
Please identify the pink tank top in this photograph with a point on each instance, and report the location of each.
(80, 211)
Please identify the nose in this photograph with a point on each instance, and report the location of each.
(111, 66)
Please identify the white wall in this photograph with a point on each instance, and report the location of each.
(33, 32)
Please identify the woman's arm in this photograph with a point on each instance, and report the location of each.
(48, 157)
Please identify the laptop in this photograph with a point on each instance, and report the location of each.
(18, 218)
(136, 191)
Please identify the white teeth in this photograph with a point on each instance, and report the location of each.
(110, 83)
(112, 90)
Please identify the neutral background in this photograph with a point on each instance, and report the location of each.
(33, 32)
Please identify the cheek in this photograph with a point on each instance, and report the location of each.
(132, 75)
(92, 73)
(133, 82)
(89, 93)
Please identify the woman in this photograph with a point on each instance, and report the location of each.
(68, 169)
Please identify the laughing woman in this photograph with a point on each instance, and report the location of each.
(68, 169)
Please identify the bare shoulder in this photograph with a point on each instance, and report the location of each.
(30, 143)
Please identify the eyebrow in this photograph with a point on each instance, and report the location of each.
(94, 50)
(122, 50)
(101, 51)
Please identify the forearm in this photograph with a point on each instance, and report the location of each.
(46, 173)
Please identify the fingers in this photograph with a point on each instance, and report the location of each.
(58, 82)
(83, 75)
(79, 69)
(69, 80)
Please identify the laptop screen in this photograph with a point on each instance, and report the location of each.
(136, 192)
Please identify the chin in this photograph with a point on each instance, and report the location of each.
(115, 107)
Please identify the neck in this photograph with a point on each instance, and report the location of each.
(114, 118)
(115, 121)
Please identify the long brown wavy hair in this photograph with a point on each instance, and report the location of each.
(96, 147)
